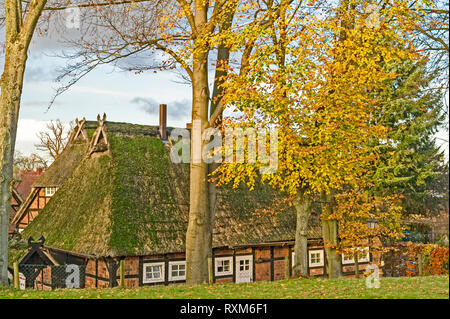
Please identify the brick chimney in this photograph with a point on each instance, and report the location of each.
(163, 121)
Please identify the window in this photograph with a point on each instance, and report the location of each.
(224, 266)
(153, 272)
(315, 258)
(177, 270)
(363, 257)
(347, 258)
(50, 191)
(244, 264)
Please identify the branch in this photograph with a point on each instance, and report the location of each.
(189, 15)
(177, 58)
(441, 41)
(86, 5)
(31, 20)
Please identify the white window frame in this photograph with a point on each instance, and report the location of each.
(244, 258)
(366, 259)
(321, 261)
(177, 263)
(50, 191)
(217, 261)
(146, 280)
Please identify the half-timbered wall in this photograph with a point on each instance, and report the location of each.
(267, 264)
(37, 203)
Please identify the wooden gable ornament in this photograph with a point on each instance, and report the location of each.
(99, 142)
(78, 132)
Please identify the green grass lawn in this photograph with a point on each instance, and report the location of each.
(416, 287)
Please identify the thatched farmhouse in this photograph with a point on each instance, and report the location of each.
(114, 194)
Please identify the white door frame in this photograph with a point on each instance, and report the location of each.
(249, 271)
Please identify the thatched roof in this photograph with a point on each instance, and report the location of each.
(63, 166)
(132, 200)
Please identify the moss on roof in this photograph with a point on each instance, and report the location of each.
(63, 165)
(134, 201)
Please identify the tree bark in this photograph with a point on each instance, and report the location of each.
(9, 107)
(198, 241)
(223, 55)
(11, 90)
(198, 235)
(330, 238)
(302, 205)
(18, 38)
(356, 259)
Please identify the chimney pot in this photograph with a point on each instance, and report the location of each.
(163, 121)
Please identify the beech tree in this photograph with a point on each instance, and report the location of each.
(19, 28)
(315, 79)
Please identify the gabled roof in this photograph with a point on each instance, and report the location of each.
(132, 200)
(61, 168)
(27, 179)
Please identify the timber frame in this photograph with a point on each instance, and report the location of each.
(78, 131)
(99, 142)
(30, 208)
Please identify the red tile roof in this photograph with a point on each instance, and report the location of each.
(27, 180)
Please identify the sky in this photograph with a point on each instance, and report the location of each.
(123, 96)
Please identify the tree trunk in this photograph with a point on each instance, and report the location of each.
(223, 56)
(18, 38)
(331, 241)
(302, 206)
(11, 89)
(198, 236)
(330, 236)
(356, 259)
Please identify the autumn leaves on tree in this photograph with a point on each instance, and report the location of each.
(317, 79)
